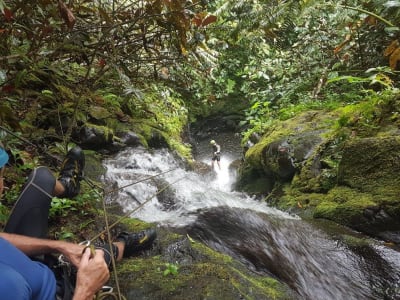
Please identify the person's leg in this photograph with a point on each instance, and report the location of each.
(22, 278)
(30, 213)
(31, 210)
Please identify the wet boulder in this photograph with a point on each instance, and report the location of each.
(156, 139)
(285, 150)
(95, 137)
(130, 138)
(285, 156)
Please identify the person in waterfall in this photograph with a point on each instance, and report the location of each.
(25, 252)
(216, 154)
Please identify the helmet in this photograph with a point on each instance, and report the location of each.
(212, 142)
(3, 157)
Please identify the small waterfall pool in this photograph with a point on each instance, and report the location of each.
(314, 263)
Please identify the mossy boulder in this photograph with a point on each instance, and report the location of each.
(336, 172)
(286, 149)
(371, 165)
(181, 268)
(254, 180)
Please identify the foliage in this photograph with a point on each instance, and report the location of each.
(281, 57)
(171, 269)
(62, 207)
(56, 57)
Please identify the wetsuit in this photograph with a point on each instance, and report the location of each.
(216, 152)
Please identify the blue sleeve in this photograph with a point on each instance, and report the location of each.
(22, 278)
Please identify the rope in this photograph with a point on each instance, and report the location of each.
(102, 295)
(94, 185)
(135, 209)
(109, 294)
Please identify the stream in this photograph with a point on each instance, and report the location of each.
(314, 259)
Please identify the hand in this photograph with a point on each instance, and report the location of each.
(73, 253)
(92, 274)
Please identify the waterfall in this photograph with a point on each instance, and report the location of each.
(187, 194)
(315, 264)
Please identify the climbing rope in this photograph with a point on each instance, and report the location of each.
(102, 295)
(129, 213)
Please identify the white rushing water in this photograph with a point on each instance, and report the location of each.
(189, 192)
(314, 264)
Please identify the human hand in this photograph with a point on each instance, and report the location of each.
(92, 274)
(73, 253)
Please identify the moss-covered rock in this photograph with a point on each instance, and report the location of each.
(289, 149)
(181, 268)
(254, 181)
(371, 165)
(346, 206)
(346, 165)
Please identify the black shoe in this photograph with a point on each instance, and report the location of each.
(135, 242)
(72, 172)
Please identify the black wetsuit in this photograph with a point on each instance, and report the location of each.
(216, 152)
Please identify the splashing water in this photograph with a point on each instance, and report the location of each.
(188, 193)
(312, 263)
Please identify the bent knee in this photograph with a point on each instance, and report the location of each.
(13, 285)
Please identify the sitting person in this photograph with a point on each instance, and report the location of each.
(22, 274)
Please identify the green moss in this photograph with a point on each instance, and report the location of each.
(294, 198)
(106, 131)
(304, 122)
(344, 205)
(212, 275)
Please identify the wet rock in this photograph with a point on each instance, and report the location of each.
(201, 168)
(95, 137)
(199, 273)
(166, 196)
(157, 140)
(181, 252)
(130, 138)
(254, 181)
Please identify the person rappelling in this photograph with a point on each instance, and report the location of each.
(216, 154)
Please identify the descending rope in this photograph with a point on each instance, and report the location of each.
(102, 295)
(135, 209)
(94, 185)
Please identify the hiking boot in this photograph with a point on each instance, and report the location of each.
(135, 242)
(72, 172)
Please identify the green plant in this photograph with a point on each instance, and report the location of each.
(64, 235)
(61, 207)
(171, 269)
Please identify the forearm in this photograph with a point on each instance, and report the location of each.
(82, 293)
(34, 246)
